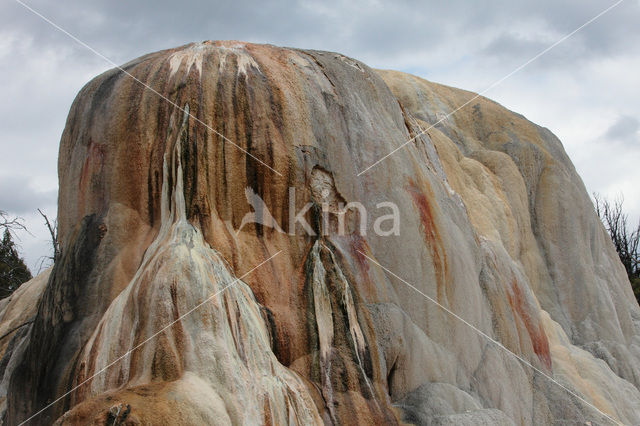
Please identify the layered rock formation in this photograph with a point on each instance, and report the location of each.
(500, 300)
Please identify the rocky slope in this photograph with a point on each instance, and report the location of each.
(500, 300)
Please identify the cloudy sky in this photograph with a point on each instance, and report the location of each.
(586, 90)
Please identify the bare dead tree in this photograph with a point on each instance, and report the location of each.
(53, 232)
(11, 224)
(625, 239)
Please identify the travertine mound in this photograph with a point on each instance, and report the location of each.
(500, 300)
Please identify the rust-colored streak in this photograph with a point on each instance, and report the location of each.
(90, 175)
(268, 419)
(359, 245)
(93, 162)
(84, 370)
(431, 233)
(536, 333)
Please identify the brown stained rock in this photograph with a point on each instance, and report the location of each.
(495, 225)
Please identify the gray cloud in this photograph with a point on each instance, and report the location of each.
(507, 45)
(124, 30)
(626, 129)
(19, 197)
